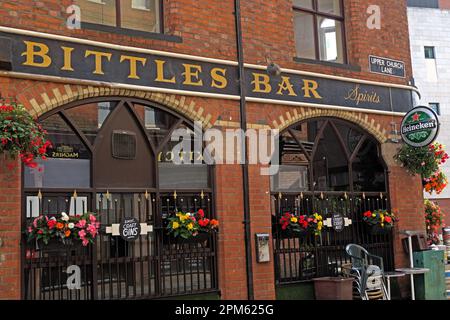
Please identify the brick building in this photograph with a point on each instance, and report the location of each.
(430, 70)
(137, 70)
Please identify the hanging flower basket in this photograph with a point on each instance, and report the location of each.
(199, 238)
(21, 135)
(56, 245)
(378, 230)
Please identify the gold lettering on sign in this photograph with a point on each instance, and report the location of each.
(67, 59)
(191, 74)
(286, 85)
(358, 96)
(133, 65)
(218, 78)
(310, 87)
(160, 72)
(36, 49)
(261, 83)
(98, 59)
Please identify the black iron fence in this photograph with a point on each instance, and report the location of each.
(155, 265)
(302, 258)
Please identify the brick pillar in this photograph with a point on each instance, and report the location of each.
(406, 195)
(261, 222)
(230, 212)
(10, 228)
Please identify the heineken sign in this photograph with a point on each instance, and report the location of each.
(420, 127)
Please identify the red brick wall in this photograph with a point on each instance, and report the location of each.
(10, 228)
(207, 29)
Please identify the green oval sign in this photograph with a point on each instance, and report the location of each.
(420, 127)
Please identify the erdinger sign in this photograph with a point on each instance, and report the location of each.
(420, 127)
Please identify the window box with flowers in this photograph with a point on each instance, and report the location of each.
(51, 232)
(21, 135)
(379, 221)
(293, 226)
(186, 227)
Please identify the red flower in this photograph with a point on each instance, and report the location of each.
(51, 224)
(388, 219)
(201, 213)
(367, 214)
(203, 222)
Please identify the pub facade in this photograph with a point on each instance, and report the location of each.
(111, 81)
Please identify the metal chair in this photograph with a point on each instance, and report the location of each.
(368, 275)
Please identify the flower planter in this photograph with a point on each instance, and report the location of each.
(200, 238)
(289, 234)
(58, 246)
(333, 288)
(378, 230)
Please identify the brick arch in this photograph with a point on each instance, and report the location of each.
(60, 95)
(362, 120)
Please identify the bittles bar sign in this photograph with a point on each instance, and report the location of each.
(52, 57)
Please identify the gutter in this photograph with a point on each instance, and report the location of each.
(243, 122)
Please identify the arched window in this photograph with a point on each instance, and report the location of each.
(115, 157)
(327, 166)
(328, 155)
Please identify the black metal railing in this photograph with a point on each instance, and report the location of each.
(155, 265)
(301, 258)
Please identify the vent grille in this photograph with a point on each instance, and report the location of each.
(124, 145)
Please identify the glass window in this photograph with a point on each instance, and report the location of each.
(98, 11)
(430, 53)
(68, 163)
(368, 171)
(330, 7)
(330, 40)
(143, 15)
(323, 148)
(436, 107)
(304, 34)
(89, 118)
(319, 30)
(306, 4)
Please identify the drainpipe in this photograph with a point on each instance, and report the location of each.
(243, 117)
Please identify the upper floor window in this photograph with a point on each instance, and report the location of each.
(319, 30)
(436, 107)
(142, 15)
(430, 53)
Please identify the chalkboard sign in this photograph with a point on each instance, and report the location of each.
(338, 222)
(130, 229)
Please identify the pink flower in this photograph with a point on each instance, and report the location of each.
(82, 234)
(35, 222)
(92, 230)
(92, 218)
(30, 230)
(81, 224)
(85, 242)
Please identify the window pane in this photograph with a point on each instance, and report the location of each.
(330, 164)
(68, 163)
(330, 6)
(368, 171)
(89, 118)
(98, 11)
(330, 40)
(177, 177)
(157, 122)
(429, 53)
(140, 15)
(307, 4)
(304, 35)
